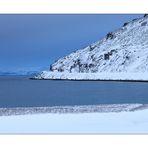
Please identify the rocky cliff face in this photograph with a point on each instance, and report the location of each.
(125, 50)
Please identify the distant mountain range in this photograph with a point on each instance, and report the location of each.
(10, 73)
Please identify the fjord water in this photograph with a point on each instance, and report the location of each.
(18, 91)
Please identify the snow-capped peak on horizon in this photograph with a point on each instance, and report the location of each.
(124, 50)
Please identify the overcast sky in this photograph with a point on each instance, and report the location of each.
(31, 42)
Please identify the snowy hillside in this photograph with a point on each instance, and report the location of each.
(124, 51)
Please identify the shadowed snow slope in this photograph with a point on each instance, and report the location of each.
(122, 51)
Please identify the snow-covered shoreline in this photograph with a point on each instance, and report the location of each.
(121, 76)
(86, 123)
(104, 108)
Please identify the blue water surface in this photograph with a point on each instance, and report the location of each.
(18, 91)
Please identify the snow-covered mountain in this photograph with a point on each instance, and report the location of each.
(122, 52)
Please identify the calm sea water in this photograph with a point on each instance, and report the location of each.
(22, 92)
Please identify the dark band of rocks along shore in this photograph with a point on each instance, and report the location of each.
(73, 109)
(90, 80)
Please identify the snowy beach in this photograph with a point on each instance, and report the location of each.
(91, 123)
